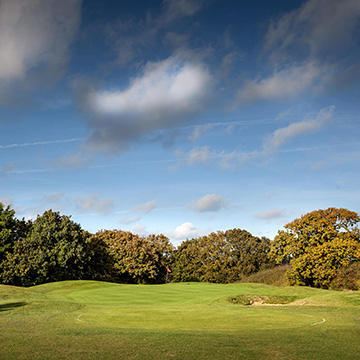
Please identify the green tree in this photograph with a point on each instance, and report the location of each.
(220, 257)
(11, 231)
(248, 253)
(54, 250)
(165, 252)
(130, 258)
(317, 245)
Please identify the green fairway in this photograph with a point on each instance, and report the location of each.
(95, 320)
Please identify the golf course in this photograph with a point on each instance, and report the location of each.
(99, 320)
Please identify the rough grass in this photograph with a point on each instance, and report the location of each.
(95, 320)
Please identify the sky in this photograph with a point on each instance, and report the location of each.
(179, 117)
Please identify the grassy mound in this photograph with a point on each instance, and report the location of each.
(96, 320)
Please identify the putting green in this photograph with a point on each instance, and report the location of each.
(96, 320)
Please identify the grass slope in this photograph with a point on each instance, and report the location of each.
(96, 320)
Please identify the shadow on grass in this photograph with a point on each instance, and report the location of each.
(11, 306)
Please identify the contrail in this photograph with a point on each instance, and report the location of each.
(40, 143)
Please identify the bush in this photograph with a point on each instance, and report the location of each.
(347, 278)
(275, 276)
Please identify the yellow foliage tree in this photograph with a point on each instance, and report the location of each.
(317, 245)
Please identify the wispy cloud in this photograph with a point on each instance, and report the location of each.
(130, 37)
(270, 214)
(6, 169)
(286, 83)
(92, 203)
(317, 28)
(127, 220)
(146, 207)
(283, 135)
(37, 143)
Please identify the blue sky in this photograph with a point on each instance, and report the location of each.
(180, 117)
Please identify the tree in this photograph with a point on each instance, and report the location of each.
(54, 250)
(221, 257)
(165, 252)
(317, 245)
(248, 253)
(130, 258)
(11, 231)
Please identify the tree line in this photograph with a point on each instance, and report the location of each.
(319, 246)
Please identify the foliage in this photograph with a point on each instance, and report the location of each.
(54, 250)
(220, 257)
(317, 245)
(275, 276)
(165, 252)
(130, 258)
(11, 230)
(347, 278)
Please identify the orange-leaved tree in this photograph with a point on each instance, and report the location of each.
(317, 245)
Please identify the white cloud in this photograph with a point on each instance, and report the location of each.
(270, 214)
(186, 231)
(209, 203)
(140, 229)
(168, 93)
(91, 203)
(35, 33)
(284, 84)
(284, 135)
(145, 208)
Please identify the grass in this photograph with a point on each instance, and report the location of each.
(97, 320)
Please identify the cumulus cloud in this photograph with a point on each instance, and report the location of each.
(270, 214)
(283, 135)
(167, 94)
(186, 231)
(209, 203)
(35, 35)
(145, 208)
(91, 203)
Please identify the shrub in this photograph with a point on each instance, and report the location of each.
(347, 278)
(275, 276)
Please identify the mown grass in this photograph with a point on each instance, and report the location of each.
(95, 320)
